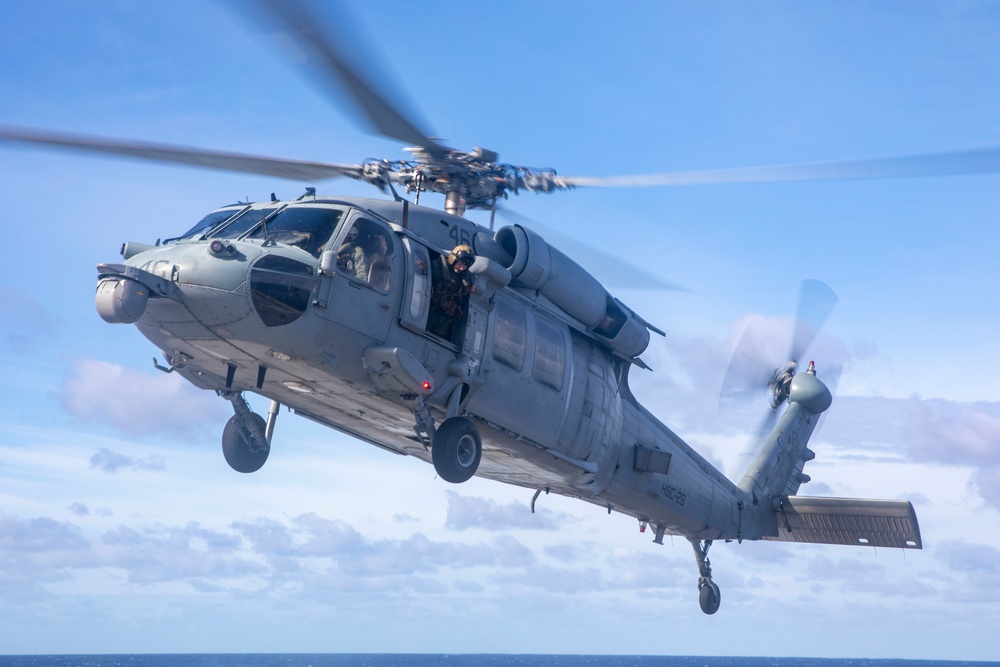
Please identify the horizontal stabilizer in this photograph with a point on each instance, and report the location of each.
(871, 523)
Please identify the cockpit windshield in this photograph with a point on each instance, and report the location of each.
(306, 227)
(242, 223)
(210, 222)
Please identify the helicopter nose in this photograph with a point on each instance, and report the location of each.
(123, 291)
(208, 282)
(228, 282)
(212, 279)
(217, 284)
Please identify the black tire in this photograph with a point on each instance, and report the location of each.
(457, 450)
(709, 597)
(236, 447)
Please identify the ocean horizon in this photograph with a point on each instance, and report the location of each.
(455, 660)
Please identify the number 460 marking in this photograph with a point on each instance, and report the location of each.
(459, 236)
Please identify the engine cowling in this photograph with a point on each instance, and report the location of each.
(536, 265)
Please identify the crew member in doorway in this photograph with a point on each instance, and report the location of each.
(451, 292)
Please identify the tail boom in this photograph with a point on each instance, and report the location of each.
(778, 467)
(773, 479)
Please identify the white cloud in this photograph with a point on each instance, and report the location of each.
(968, 557)
(136, 403)
(955, 433)
(169, 554)
(465, 512)
(38, 536)
(114, 462)
(959, 434)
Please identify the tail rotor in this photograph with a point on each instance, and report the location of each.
(753, 371)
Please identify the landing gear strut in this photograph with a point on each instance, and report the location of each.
(708, 593)
(246, 440)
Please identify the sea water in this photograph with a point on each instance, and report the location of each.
(457, 660)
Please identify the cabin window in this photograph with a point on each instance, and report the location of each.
(510, 334)
(364, 254)
(550, 354)
(421, 294)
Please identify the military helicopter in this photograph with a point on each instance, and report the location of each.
(529, 385)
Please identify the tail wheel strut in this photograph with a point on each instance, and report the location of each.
(709, 596)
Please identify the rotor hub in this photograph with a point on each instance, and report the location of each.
(780, 384)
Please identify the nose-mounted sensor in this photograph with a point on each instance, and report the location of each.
(217, 247)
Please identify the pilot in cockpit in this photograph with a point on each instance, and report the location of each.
(306, 229)
(352, 255)
(378, 261)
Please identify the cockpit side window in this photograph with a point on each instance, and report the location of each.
(365, 254)
(280, 289)
(308, 228)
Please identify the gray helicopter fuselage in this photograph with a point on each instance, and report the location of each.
(245, 311)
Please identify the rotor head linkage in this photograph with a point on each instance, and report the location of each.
(780, 384)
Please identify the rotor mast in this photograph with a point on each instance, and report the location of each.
(454, 202)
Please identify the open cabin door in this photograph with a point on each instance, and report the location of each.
(467, 334)
(417, 291)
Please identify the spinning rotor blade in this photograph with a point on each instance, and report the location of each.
(953, 163)
(279, 168)
(749, 369)
(330, 62)
(816, 302)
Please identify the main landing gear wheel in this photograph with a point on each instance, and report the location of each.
(238, 447)
(457, 450)
(709, 596)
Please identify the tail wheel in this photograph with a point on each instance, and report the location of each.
(238, 448)
(709, 596)
(457, 450)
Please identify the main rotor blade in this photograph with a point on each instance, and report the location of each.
(983, 161)
(296, 170)
(816, 302)
(331, 62)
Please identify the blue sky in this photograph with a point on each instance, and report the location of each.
(121, 527)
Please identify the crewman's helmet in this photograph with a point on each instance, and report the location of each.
(462, 253)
